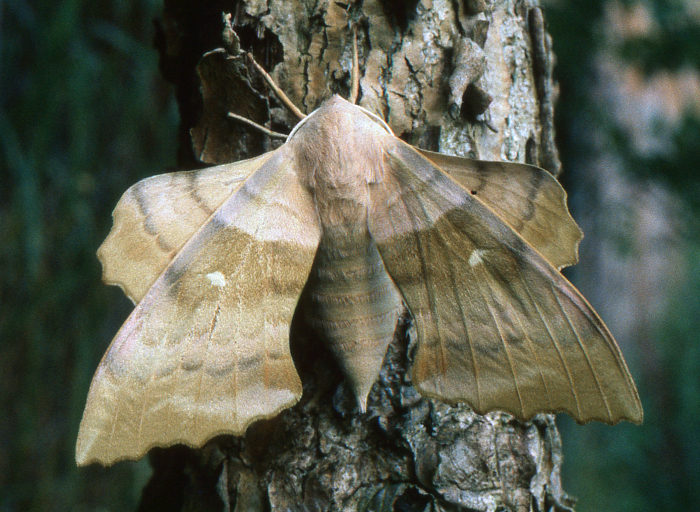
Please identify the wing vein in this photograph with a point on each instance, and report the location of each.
(146, 391)
(462, 314)
(500, 334)
(207, 351)
(265, 338)
(428, 284)
(585, 353)
(558, 349)
(458, 297)
(533, 353)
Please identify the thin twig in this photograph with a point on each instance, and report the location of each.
(278, 92)
(355, 87)
(276, 135)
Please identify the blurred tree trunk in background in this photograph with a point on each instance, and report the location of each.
(629, 126)
(469, 78)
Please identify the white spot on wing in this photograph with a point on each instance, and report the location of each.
(476, 257)
(217, 279)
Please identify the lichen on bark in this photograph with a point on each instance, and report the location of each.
(455, 77)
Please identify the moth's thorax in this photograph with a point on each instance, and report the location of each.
(353, 304)
(339, 148)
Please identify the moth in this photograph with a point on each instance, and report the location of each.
(217, 259)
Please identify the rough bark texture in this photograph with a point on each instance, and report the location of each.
(468, 78)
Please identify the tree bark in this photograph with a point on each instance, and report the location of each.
(468, 78)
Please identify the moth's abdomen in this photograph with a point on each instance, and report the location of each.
(353, 304)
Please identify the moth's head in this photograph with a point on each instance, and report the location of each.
(340, 136)
(337, 111)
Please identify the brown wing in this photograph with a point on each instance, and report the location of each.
(158, 215)
(206, 351)
(526, 197)
(498, 327)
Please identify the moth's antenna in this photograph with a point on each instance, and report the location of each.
(273, 134)
(355, 87)
(278, 92)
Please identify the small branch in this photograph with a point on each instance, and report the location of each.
(278, 92)
(355, 88)
(276, 135)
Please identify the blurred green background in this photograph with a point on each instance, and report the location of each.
(628, 126)
(84, 114)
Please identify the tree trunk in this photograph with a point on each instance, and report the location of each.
(468, 78)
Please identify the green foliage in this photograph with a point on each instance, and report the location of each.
(674, 43)
(680, 165)
(83, 114)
